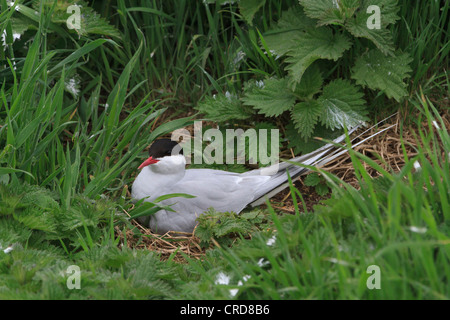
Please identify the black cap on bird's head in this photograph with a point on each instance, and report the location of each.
(161, 148)
(164, 147)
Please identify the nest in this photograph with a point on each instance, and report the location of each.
(171, 245)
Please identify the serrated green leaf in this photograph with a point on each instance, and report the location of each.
(322, 189)
(223, 107)
(289, 29)
(319, 43)
(330, 11)
(311, 83)
(388, 10)
(305, 116)
(385, 73)
(90, 21)
(20, 25)
(272, 98)
(312, 179)
(248, 8)
(382, 37)
(326, 11)
(342, 105)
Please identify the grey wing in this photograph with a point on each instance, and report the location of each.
(221, 190)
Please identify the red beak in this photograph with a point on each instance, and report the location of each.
(147, 162)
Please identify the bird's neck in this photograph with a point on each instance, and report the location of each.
(155, 178)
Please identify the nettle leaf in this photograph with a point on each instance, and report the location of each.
(290, 28)
(271, 98)
(382, 37)
(386, 73)
(19, 26)
(326, 11)
(90, 21)
(312, 179)
(306, 115)
(223, 107)
(319, 43)
(388, 10)
(248, 8)
(311, 83)
(322, 189)
(343, 105)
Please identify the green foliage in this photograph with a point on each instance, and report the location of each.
(315, 43)
(66, 142)
(427, 43)
(107, 272)
(386, 73)
(342, 104)
(219, 226)
(382, 38)
(248, 8)
(223, 107)
(305, 116)
(90, 21)
(305, 36)
(36, 214)
(319, 183)
(271, 98)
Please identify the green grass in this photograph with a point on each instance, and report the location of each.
(67, 161)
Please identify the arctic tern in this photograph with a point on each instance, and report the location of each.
(164, 172)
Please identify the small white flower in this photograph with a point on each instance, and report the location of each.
(260, 84)
(262, 262)
(239, 57)
(417, 229)
(222, 278)
(273, 52)
(245, 278)
(234, 292)
(271, 241)
(16, 36)
(73, 86)
(8, 250)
